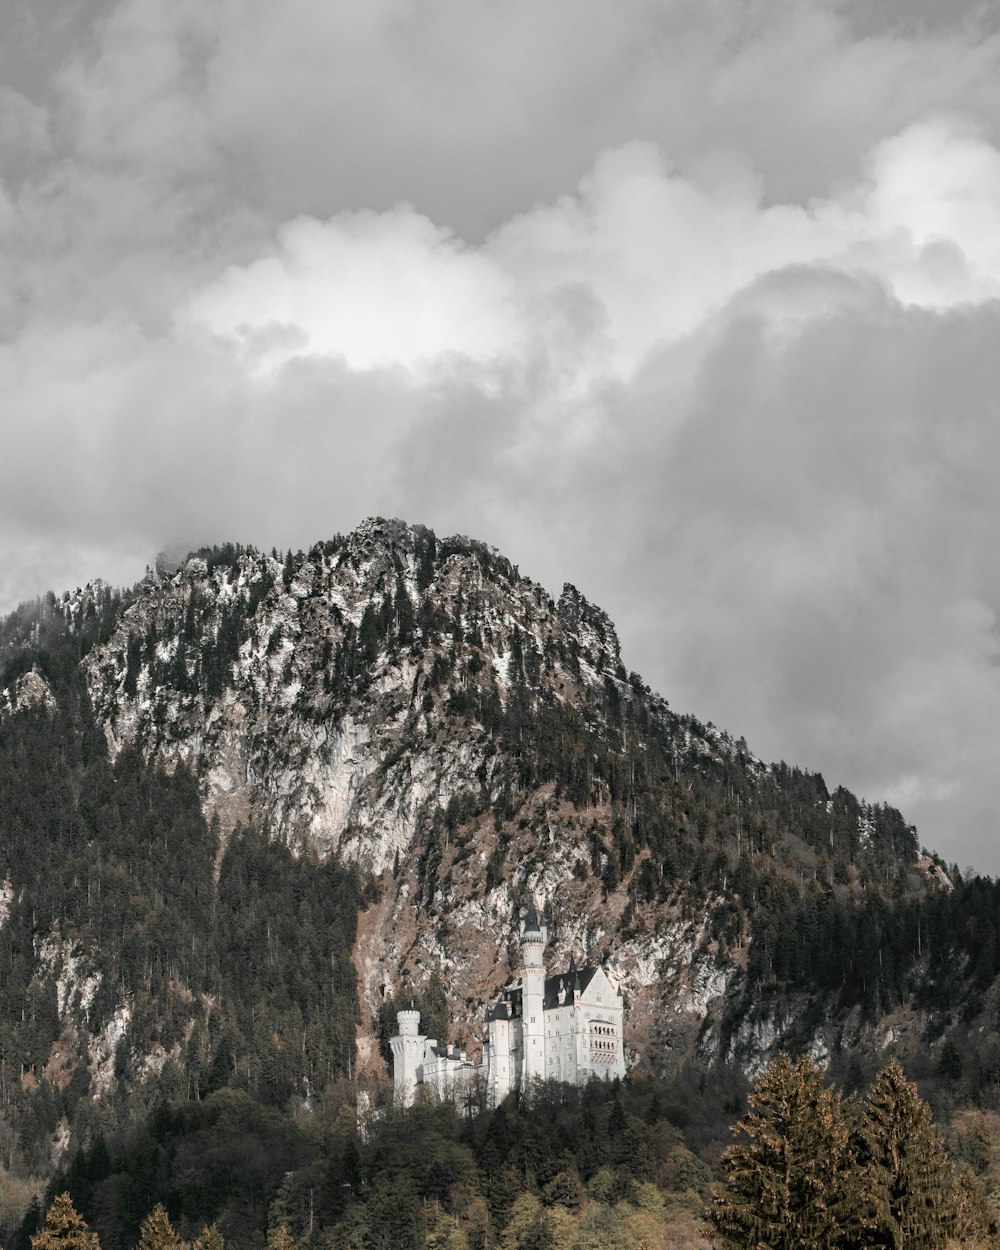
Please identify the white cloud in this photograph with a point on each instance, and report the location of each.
(374, 289)
(656, 253)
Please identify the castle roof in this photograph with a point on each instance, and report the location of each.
(574, 981)
(507, 1006)
(531, 922)
(449, 1052)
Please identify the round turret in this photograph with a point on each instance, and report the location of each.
(408, 1022)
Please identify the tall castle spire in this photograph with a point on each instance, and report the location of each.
(531, 920)
(533, 938)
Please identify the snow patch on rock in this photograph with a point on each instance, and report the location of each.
(29, 690)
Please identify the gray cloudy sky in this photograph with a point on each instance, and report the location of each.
(695, 304)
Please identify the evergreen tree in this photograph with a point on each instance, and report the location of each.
(64, 1229)
(789, 1185)
(974, 1216)
(210, 1239)
(157, 1232)
(281, 1239)
(910, 1189)
(527, 1228)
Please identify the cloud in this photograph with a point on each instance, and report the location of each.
(24, 127)
(656, 253)
(694, 306)
(474, 112)
(842, 591)
(370, 288)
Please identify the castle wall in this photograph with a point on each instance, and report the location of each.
(500, 1060)
(601, 1052)
(561, 1061)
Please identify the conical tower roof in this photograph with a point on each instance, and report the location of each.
(531, 922)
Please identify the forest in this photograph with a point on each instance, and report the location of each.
(114, 868)
(560, 1168)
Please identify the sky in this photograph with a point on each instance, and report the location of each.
(692, 303)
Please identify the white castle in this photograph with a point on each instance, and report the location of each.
(566, 1027)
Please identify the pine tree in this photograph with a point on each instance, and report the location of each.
(973, 1210)
(280, 1239)
(210, 1239)
(157, 1233)
(910, 1188)
(64, 1229)
(790, 1184)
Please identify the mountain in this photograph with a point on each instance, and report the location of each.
(252, 804)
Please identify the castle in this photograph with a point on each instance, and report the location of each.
(566, 1027)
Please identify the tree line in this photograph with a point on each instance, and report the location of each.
(558, 1168)
(607, 1166)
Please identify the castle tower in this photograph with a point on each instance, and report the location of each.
(407, 1055)
(532, 973)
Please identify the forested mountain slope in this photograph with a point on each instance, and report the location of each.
(249, 805)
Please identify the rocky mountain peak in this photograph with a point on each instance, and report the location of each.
(29, 690)
(591, 623)
(290, 685)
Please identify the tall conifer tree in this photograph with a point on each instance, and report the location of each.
(910, 1188)
(210, 1239)
(64, 1229)
(790, 1184)
(281, 1239)
(157, 1232)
